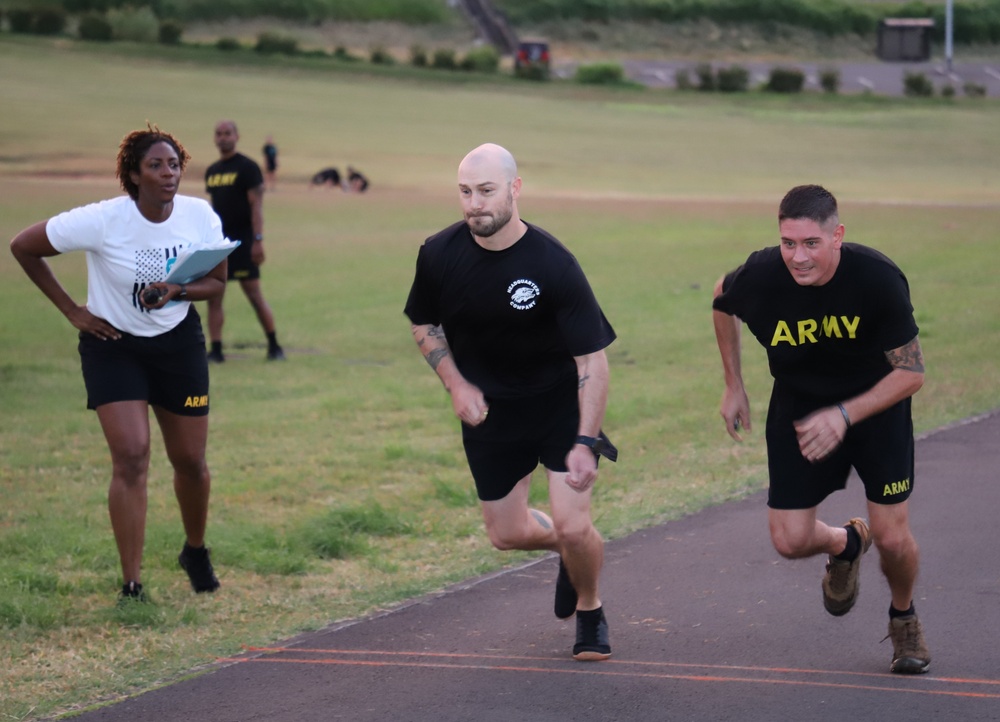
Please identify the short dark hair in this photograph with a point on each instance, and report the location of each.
(812, 202)
(133, 149)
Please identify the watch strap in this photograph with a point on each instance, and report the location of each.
(601, 445)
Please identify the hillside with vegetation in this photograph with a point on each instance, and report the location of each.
(650, 24)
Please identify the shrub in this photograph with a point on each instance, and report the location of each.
(94, 27)
(734, 79)
(342, 53)
(974, 90)
(829, 80)
(228, 44)
(271, 43)
(444, 59)
(381, 56)
(20, 20)
(418, 56)
(917, 85)
(49, 21)
(171, 32)
(484, 59)
(706, 77)
(532, 71)
(600, 74)
(785, 80)
(136, 24)
(948, 91)
(682, 79)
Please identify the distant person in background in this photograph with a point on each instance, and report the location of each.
(136, 355)
(270, 162)
(236, 186)
(356, 182)
(327, 176)
(841, 340)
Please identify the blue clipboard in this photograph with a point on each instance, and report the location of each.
(198, 263)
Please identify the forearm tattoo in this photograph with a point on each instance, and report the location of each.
(583, 381)
(908, 357)
(434, 357)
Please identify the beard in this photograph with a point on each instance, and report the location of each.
(486, 225)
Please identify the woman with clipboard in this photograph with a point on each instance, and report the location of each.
(141, 342)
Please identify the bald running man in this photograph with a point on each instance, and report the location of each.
(503, 313)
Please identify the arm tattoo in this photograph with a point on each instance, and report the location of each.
(435, 331)
(434, 357)
(583, 381)
(908, 357)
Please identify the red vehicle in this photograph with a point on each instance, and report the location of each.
(532, 60)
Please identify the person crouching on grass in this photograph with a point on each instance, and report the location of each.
(136, 355)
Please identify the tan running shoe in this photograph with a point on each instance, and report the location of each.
(842, 580)
(909, 651)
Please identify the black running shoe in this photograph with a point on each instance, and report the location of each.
(591, 636)
(198, 566)
(276, 354)
(132, 593)
(565, 605)
(215, 357)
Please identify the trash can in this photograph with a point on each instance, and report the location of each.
(906, 39)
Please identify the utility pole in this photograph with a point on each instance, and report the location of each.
(949, 27)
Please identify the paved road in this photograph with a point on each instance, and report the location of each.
(880, 78)
(707, 623)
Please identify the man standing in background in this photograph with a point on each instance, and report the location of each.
(236, 187)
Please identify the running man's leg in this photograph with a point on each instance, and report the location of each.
(797, 533)
(580, 545)
(510, 524)
(900, 555)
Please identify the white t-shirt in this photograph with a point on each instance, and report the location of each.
(126, 252)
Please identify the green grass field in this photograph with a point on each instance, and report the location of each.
(339, 482)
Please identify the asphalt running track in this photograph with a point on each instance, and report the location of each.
(707, 623)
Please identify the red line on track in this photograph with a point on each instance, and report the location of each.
(602, 669)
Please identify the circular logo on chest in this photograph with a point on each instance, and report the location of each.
(523, 294)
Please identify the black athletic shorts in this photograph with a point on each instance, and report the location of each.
(169, 370)
(240, 266)
(517, 434)
(879, 448)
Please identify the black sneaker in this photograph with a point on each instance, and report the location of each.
(565, 605)
(215, 357)
(198, 566)
(276, 354)
(591, 636)
(131, 593)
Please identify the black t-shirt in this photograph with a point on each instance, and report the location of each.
(228, 182)
(514, 319)
(827, 342)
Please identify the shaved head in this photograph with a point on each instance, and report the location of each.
(488, 162)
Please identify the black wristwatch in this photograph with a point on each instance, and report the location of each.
(184, 291)
(600, 445)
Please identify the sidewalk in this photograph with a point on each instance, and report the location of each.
(707, 623)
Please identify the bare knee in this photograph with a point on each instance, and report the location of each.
(502, 539)
(789, 543)
(130, 464)
(574, 532)
(894, 542)
(192, 470)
